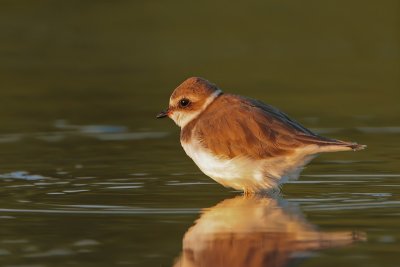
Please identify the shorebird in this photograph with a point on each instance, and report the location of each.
(241, 142)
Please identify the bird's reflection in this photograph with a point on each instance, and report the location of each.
(255, 231)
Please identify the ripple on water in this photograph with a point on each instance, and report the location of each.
(99, 132)
(124, 187)
(6, 217)
(4, 252)
(139, 174)
(122, 211)
(369, 130)
(86, 242)
(178, 183)
(15, 241)
(26, 265)
(76, 191)
(357, 205)
(353, 175)
(380, 130)
(51, 253)
(21, 175)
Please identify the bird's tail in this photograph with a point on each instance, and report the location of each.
(332, 145)
(342, 146)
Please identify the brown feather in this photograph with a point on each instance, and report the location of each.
(247, 127)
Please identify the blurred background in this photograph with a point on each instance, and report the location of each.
(118, 61)
(82, 81)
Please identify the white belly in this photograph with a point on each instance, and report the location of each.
(247, 174)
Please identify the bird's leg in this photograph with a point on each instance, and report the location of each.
(245, 192)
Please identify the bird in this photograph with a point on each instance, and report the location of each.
(240, 142)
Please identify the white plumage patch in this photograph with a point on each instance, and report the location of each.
(226, 172)
(183, 118)
(247, 174)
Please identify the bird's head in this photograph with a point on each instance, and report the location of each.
(189, 99)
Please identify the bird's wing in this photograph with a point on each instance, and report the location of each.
(246, 127)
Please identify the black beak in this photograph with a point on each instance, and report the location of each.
(162, 114)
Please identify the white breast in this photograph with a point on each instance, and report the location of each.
(240, 173)
(247, 174)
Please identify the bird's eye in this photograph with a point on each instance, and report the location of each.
(184, 102)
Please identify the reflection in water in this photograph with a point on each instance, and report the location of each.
(255, 231)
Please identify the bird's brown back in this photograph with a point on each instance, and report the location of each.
(234, 126)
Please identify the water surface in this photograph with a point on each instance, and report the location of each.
(89, 177)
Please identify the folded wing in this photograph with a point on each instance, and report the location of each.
(251, 128)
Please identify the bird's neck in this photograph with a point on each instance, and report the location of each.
(186, 128)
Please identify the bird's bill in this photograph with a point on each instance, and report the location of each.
(162, 114)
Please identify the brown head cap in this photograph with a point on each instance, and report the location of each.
(194, 86)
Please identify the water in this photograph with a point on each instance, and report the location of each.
(89, 177)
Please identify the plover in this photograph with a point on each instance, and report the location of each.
(241, 142)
